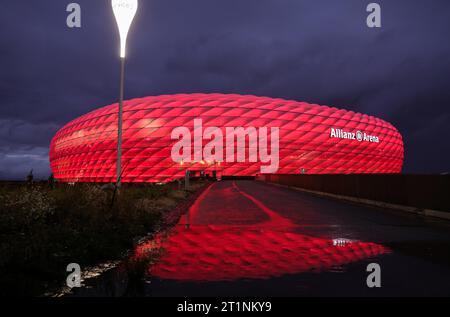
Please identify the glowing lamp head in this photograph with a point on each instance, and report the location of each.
(124, 11)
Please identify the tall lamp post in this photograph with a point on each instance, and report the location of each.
(124, 12)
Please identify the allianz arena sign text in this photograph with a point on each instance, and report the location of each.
(358, 136)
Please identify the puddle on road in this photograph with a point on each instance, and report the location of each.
(227, 253)
(269, 247)
(198, 254)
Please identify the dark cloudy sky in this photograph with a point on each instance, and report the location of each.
(317, 51)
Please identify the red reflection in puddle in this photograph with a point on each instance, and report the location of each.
(220, 253)
(263, 250)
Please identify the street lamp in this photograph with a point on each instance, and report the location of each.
(124, 12)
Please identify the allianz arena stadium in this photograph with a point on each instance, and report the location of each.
(164, 136)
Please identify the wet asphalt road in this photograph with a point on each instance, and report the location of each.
(246, 238)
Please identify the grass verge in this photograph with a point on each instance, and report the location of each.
(43, 229)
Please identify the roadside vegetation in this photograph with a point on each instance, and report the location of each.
(43, 228)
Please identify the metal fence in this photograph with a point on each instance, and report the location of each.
(421, 191)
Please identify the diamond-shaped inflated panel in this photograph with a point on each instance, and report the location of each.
(85, 149)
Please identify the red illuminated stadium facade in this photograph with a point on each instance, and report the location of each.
(313, 139)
